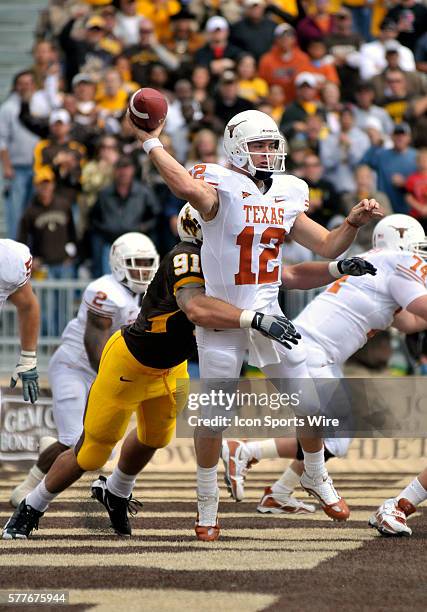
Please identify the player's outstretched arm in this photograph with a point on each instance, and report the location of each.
(28, 310)
(331, 244)
(200, 194)
(309, 275)
(215, 314)
(97, 332)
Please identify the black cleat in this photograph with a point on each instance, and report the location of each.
(117, 507)
(22, 522)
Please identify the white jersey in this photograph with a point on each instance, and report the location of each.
(105, 297)
(242, 245)
(15, 267)
(351, 309)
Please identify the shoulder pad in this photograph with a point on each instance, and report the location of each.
(15, 264)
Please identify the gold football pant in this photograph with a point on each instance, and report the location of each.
(124, 386)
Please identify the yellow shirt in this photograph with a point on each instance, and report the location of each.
(117, 103)
(253, 90)
(159, 14)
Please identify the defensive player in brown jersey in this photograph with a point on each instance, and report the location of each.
(138, 373)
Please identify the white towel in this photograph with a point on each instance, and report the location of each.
(262, 350)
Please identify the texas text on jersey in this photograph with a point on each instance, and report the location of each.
(162, 336)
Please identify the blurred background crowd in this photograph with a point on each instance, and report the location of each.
(345, 81)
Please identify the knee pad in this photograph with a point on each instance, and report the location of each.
(92, 454)
(217, 363)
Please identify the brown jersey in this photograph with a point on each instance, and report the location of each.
(162, 336)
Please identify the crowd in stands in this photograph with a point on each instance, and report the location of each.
(345, 81)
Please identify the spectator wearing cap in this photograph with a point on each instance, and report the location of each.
(416, 190)
(325, 202)
(305, 104)
(315, 25)
(110, 42)
(147, 51)
(227, 100)
(251, 86)
(124, 206)
(219, 53)
(84, 50)
(322, 63)
(393, 166)
(284, 61)
(415, 81)
(159, 12)
(365, 109)
(47, 228)
(127, 23)
(410, 17)
(17, 143)
(372, 55)
(62, 155)
(341, 152)
(255, 32)
(184, 40)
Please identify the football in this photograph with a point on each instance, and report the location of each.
(147, 108)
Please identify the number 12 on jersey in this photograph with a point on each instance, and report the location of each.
(245, 241)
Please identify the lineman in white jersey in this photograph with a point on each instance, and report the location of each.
(352, 309)
(108, 303)
(15, 286)
(247, 209)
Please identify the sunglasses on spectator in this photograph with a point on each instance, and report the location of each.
(394, 80)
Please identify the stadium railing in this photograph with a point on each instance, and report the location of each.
(59, 303)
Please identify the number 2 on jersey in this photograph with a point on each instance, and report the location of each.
(245, 240)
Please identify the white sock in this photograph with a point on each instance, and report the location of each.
(40, 497)
(414, 492)
(34, 477)
(263, 449)
(207, 480)
(120, 484)
(286, 483)
(314, 463)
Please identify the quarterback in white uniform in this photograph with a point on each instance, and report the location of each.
(246, 210)
(107, 303)
(15, 273)
(352, 309)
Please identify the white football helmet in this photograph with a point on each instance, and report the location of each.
(247, 127)
(188, 224)
(400, 233)
(134, 261)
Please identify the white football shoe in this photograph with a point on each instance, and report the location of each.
(207, 527)
(237, 461)
(323, 489)
(390, 518)
(275, 503)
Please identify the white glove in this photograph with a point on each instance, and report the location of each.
(26, 370)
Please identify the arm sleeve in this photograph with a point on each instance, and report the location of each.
(405, 286)
(185, 269)
(99, 302)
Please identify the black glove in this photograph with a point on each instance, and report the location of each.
(356, 266)
(276, 327)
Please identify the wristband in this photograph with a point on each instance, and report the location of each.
(246, 318)
(334, 270)
(151, 144)
(352, 224)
